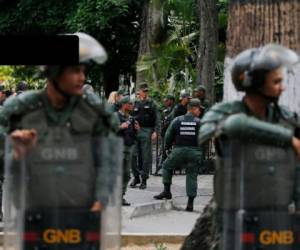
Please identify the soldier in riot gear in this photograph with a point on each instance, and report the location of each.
(146, 113)
(128, 130)
(183, 134)
(62, 160)
(257, 176)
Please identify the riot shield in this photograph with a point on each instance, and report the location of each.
(63, 193)
(254, 191)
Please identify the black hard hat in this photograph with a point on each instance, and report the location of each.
(22, 86)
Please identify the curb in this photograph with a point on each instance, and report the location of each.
(140, 239)
(151, 208)
(144, 239)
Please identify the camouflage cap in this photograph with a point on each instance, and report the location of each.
(143, 87)
(194, 102)
(121, 91)
(169, 97)
(199, 88)
(184, 95)
(125, 99)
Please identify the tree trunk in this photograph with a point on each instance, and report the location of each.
(111, 79)
(256, 23)
(207, 52)
(203, 234)
(152, 31)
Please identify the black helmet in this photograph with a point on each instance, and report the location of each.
(250, 66)
(21, 86)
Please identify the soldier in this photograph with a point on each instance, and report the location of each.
(128, 130)
(169, 101)
(57, 132)
(181, 108)
(200, 93)
(183, 134)
(147, 115)
(257, 141)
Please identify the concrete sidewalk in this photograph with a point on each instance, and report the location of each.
(148, 221)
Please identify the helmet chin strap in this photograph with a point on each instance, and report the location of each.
(59, 90)
(270, 99)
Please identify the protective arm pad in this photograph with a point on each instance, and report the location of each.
(252, 129)
(206, 132)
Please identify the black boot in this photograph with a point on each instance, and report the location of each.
(143, 184)
(125, 202)
(190, 204)
(135, 181)
(166, 194)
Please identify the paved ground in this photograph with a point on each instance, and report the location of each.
(162, 221)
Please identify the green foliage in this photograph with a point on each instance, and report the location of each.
(171, 66)
(222, 6)
(160, 246)
(5, 73)
(95, 15)
(116, 23)
(10, 76)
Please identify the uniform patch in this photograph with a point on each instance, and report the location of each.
(188, 123)
(188, 128)
(187, 133)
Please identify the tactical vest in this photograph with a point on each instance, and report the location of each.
(144, 113)
(128, 134)
(186, 131)
(61, 170)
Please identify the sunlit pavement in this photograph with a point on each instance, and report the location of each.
(147, 220)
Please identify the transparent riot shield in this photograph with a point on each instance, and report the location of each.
(63, 193)
(254, 192)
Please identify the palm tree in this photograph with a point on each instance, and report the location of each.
(172, 61)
